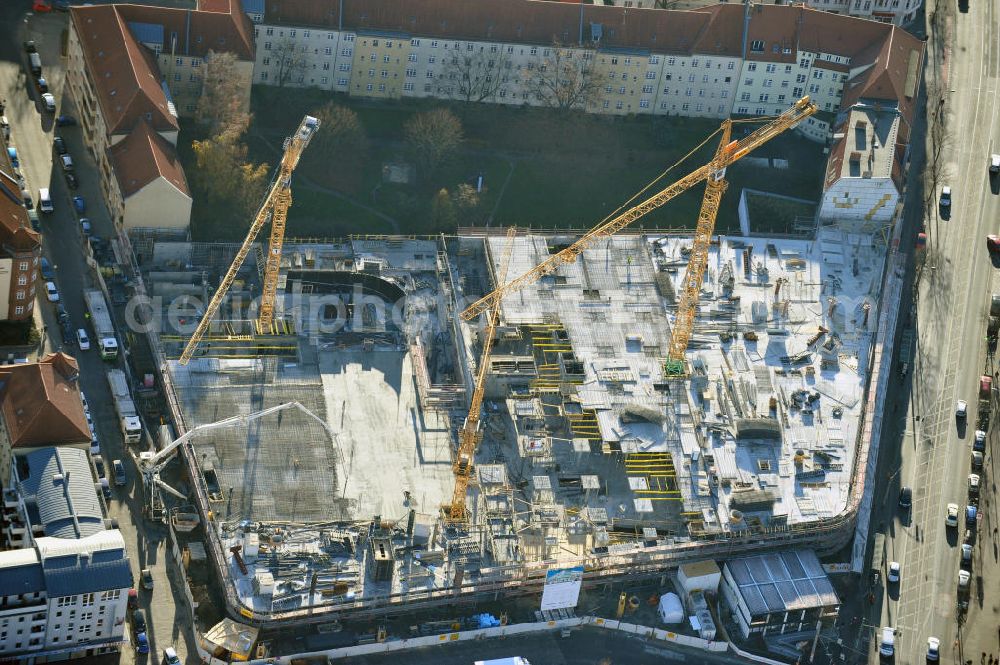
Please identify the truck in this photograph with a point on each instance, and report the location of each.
(100, 319)
(985, 397)
(128, 417)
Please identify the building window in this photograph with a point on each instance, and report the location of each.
(724, 94)
(650, 76)
(266, 62)
(369, 87)
(269, 32)
(18, 310)
(768, 83)
(346, 52)
(644, 103)
(748, 81)
(385, 74)
(411, 73)
(20, 295)
(179, 62)
(671, 61)
(770, 69)
(328, 51)
(788, 69)
(757, 45)
(23, 265)
(407, 86)
(654, 59)
(196, 62)
(745, 97)
(647, 89)
(267, 46)
(752, 67)
(763, 98)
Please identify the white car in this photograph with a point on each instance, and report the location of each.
(50, 102)
(933, 648)
(51, 291)
(961, 408)
(894, 570)
(994, 164)
(83, 340)
(67, 162)
(951, 518)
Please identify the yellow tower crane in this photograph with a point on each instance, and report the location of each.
(713, 173)
(274, 209)
(470, 435)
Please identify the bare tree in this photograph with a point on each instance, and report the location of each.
(221, 101)
(290, 62)
(433, 137)
(565, 78)
(474, 76)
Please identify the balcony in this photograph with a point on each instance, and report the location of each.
(11, 498)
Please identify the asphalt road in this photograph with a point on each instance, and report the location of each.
(932, 452)
(31, 132)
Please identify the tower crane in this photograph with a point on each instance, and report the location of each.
(470, 435)
(713, 174)
(150, 464)
(274, 209)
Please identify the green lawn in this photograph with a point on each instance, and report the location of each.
(569, 171)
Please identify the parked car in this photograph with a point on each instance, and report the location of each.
(951, 517)
(67, 162)
(170, 657)
(994, 165)
(12, 154)
(80, 204)
(49, 100)
(139, 621)
(67, 332)
(62, 314)
(33, 218)
(133, 599)
(59, 145)
(147, 579)
(894, 570)
(51, 291)
(970, 516)
(977, 460)
(945, 201)
(41, 7)
(85, 225)
(979, 442)
(973, 485)
(905, 497)
(82, 339)
(65, 121)
(141, 643)
(961, 409)
(106, 489)
(42, 84)
(933, 649)
(29, 46)
(966, 561)
(71, 180)
(5, 126)
(26, 198)
(119, 470)
(99, 466)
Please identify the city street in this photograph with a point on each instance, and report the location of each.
(63, 244)
(926, 447)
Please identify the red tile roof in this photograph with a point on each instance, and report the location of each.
(217, 25)
(15, 231)
(123, 72)
(40, 402)
(143, 156)
(517, 21)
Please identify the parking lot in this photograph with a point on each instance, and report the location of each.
(33, 129)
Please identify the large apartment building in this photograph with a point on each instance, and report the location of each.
(714, 62)
(63, 598)
(40, 407)
(133, 70)
(20, 248)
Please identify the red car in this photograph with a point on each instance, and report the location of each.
(133, 599)
(993, 244)
(41, 7)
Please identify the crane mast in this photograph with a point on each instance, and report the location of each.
(273, 209)
(726, 156)
(470, 436)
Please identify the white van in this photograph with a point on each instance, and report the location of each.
(887, 647)
(44, 200)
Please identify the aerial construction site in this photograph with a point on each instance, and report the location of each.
(616, 401)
